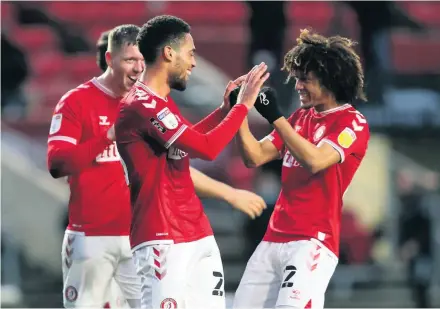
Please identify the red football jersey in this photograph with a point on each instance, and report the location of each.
(155, 142)
(99, 202)
(309, 206)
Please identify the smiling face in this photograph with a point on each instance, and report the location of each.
(127, 63)
(311, 93)
(182, 62)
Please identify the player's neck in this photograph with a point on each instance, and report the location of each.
(156, 80)
(107, 80)
(326, 106)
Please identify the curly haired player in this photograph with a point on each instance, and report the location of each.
(322, 145)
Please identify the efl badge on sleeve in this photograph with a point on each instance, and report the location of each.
(55, 125)
(168, 118)
(346, 138)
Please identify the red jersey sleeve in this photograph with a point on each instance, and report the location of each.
(209, 122)
(168, 128)
(65, 155)
(159, 121)
(349, 135)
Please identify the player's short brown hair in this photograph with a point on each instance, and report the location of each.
(333, 61)
(121, 35)
(101, 48)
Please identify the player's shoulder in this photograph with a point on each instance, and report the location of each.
(299, 113)
(352, 116)
(139, 97)
(73, 98)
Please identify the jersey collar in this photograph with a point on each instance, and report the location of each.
(141, 84)
(332, 110)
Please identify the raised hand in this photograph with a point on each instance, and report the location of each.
(232, 86)
(267, 104)
(252, 85)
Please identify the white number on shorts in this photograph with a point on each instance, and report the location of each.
(218, 288)
(291, 270)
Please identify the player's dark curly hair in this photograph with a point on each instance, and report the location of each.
(101, 48)
(158, 32)
(123, 34)
(333, 61)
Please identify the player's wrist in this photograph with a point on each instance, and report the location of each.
(224, 109)
(229, 195)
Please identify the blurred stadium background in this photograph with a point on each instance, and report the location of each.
(390, 249)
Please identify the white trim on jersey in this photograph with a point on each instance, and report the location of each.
(70, 232)
(175, 136)
(336, 147)
(142, 85)
(271, 138)
(62, 139)
(103, 88)
(336, 109)
(152, 243)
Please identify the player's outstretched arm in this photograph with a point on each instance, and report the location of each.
(208, 146)
(212, 120)
(314, 158)
(245, 201)
(254, 153)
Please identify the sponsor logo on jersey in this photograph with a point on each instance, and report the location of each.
(167, 118)
(110, 154)
(158, 126)
(346, 138)
(55, 125)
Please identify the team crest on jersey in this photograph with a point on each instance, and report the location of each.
(55, 125)
(319, 133)
(167, 118)
(168, 303)
(346, 138)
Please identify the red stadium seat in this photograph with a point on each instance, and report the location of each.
(85, 14)
(317, 15)
(224, 12)
(426, 12)
(82, 67)
(8, 14)
(47, 65)
(35, 39)
(415, 54)
(95, 32)
(78, 12)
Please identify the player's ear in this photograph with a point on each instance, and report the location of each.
(168, 53)
(108, 59)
